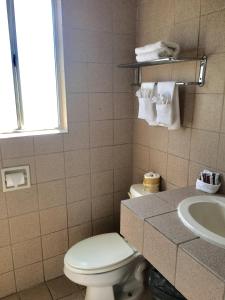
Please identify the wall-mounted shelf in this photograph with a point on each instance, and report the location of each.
(138, 66)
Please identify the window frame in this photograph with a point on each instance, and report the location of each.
(59, 73)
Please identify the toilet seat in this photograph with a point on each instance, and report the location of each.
(101, 270)
(99, 254)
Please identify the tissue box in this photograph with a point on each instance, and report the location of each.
(206, 187)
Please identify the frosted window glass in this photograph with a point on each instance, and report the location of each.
(8, 119)
(35, 41)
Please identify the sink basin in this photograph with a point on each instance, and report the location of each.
(205, 216)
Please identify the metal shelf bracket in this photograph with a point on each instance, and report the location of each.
(202, 71)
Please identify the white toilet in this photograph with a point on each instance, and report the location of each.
(107, 265)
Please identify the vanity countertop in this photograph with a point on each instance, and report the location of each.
(194, 266)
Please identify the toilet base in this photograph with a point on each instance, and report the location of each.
(97, 293)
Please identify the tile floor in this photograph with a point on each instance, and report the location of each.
(56, 289)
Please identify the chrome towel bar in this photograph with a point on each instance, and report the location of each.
(138, 67)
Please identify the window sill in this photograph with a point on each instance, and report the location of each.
(21, 133)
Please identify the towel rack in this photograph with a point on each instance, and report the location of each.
(170, 60)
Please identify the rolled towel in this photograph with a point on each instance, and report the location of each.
(157, 46)
(163, 53)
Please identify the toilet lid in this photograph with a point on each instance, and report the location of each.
(98, 252)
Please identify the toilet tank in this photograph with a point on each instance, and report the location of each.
(137, 190)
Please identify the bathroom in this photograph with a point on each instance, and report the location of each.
(80, 174)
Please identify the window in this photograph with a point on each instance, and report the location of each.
(32, 92)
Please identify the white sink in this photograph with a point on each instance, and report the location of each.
(205, 216)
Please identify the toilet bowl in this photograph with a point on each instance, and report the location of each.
(109, 268)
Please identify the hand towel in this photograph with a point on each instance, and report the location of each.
(164, 113)
(157, 46)
(167, 107)
(147, 109)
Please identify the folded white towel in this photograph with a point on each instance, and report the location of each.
(147, 110)
(162, 53)
(157, 46)
(164, 114)
(167, 107)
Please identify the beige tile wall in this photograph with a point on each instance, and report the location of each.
(97, 152)
(79, 178)
(199, 27)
